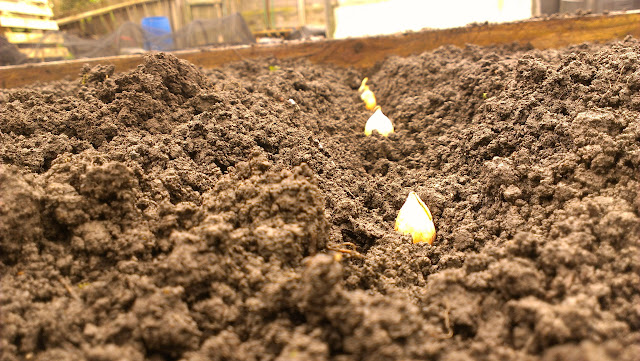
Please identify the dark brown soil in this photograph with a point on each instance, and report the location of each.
(170, 213)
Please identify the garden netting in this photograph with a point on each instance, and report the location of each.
(131, 38)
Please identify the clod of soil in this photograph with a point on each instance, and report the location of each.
(172, 213)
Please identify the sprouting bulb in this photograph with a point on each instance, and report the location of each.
(415, 219)
(378, 121)
(367, 95)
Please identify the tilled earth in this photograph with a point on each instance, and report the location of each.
(173, 213)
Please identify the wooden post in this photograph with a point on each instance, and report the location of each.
(177, 14)
(218, 6)
(129, 14)
(145, 10)
(232, 7)
(302, 13)
(105, 24)
(329, 18)
(267, 14)
(188, 11)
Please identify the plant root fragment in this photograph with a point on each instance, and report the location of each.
(447, 324)
(351, 251)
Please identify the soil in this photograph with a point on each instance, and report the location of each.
(175, 213)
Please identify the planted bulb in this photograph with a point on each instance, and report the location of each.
(363, 85)
(369, 99)
(379, 122)
(415, 219)
(367, 95)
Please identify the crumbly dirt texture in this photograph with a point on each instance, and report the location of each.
(175, 213)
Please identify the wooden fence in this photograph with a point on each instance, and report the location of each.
(259, 15)
(365, 52)
(29, 25)
(106, 20)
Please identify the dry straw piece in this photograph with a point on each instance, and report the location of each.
(415, 219)
(380, 122)
(367, 95)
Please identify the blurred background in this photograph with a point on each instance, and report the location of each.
(40, 30)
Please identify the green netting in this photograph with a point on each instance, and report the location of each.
(130, 38)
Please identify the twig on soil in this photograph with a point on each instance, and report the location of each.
(349, 193)
(350, 251)
(68, 287)
(447, 324)
(529, 343)
(321, 147)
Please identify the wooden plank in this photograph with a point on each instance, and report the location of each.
(177, 21)
(364, 52)
(204, 2)
(329, 19)
(13, 22)
(276, 33)
(140, 12)
(87, 14)
(34, 38)
(302, 13)
(24, 8)
(45, 53)
(107, 25)
(129, 14)
(166, 11)
(145, 9)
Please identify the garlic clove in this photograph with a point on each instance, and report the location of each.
(363, 85)
(367, 95)
(369, 99)
(378, 121)
(415, 219)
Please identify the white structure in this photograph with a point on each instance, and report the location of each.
(355, 18)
